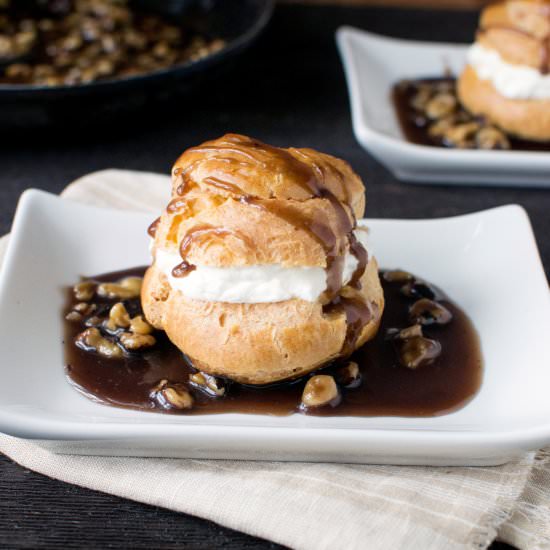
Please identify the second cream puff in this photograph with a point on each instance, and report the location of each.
(507, 78)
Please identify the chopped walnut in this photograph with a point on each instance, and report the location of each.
(320, 390)
(462, 135)
(410, 332)
(349, 375)
(73, 316)
(84, 291)
(436, 108)
(208, 383)
(491, 138)
(118, 317)
(440, 127)
(129, 287)
(94, 321)
(139, 325)
(92, 339)
(135, 342)
(397, 276)
(428, 312)
(418, 351)
(442, 105)
(421, 98)
(79, 311)
(172, 396)
(85, 308)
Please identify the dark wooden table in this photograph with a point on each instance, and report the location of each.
(289, 90)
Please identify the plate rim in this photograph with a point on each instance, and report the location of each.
(366, 133)
(428, 440)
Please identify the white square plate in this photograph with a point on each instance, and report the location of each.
(373, 64)
(487, 262)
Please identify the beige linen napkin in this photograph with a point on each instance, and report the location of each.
(310, 506)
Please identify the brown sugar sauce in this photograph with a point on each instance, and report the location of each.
(415, 125)
(387, 387)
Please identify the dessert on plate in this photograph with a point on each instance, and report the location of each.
(262, 297)
(507, 76)
(260, 273)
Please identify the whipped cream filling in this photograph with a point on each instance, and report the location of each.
(511, 81)
(253, 284)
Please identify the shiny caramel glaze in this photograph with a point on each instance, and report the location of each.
(195, 237)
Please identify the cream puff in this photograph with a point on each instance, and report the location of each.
(507, 77)
(260, 273)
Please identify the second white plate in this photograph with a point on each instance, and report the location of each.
(373, 64)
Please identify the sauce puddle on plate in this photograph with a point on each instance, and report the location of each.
(386, 386)
(448, 124)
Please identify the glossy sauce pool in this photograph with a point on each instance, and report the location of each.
(387, 388)
(416, 131)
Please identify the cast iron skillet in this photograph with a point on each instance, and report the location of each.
(238, 22)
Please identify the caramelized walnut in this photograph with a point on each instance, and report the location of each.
(84, 291)
(73, 316)
(84, 308)
(349, 375)
(139, 325)
(418, 351)
(397, 276)
(320, 390)
(71, 42)
(404, 333)
(208, 383)
(94, 321)
(413, 348)
(442, 105)
(462, 135)
(134, 342)
(118, 317)
(417, 289)
(92, 340)
(125, 289)
(428, 312)
(172, 395)
(492, 138)
(421, 98)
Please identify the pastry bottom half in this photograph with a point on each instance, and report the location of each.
(527, 119)
(256, 343)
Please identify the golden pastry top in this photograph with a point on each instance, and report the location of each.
(239, 166)
(238, 202)
(519, 30)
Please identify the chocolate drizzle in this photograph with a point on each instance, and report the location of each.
(152, 229)
(359, 251)
(319, 230)
(358, 314)
(200, 234)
